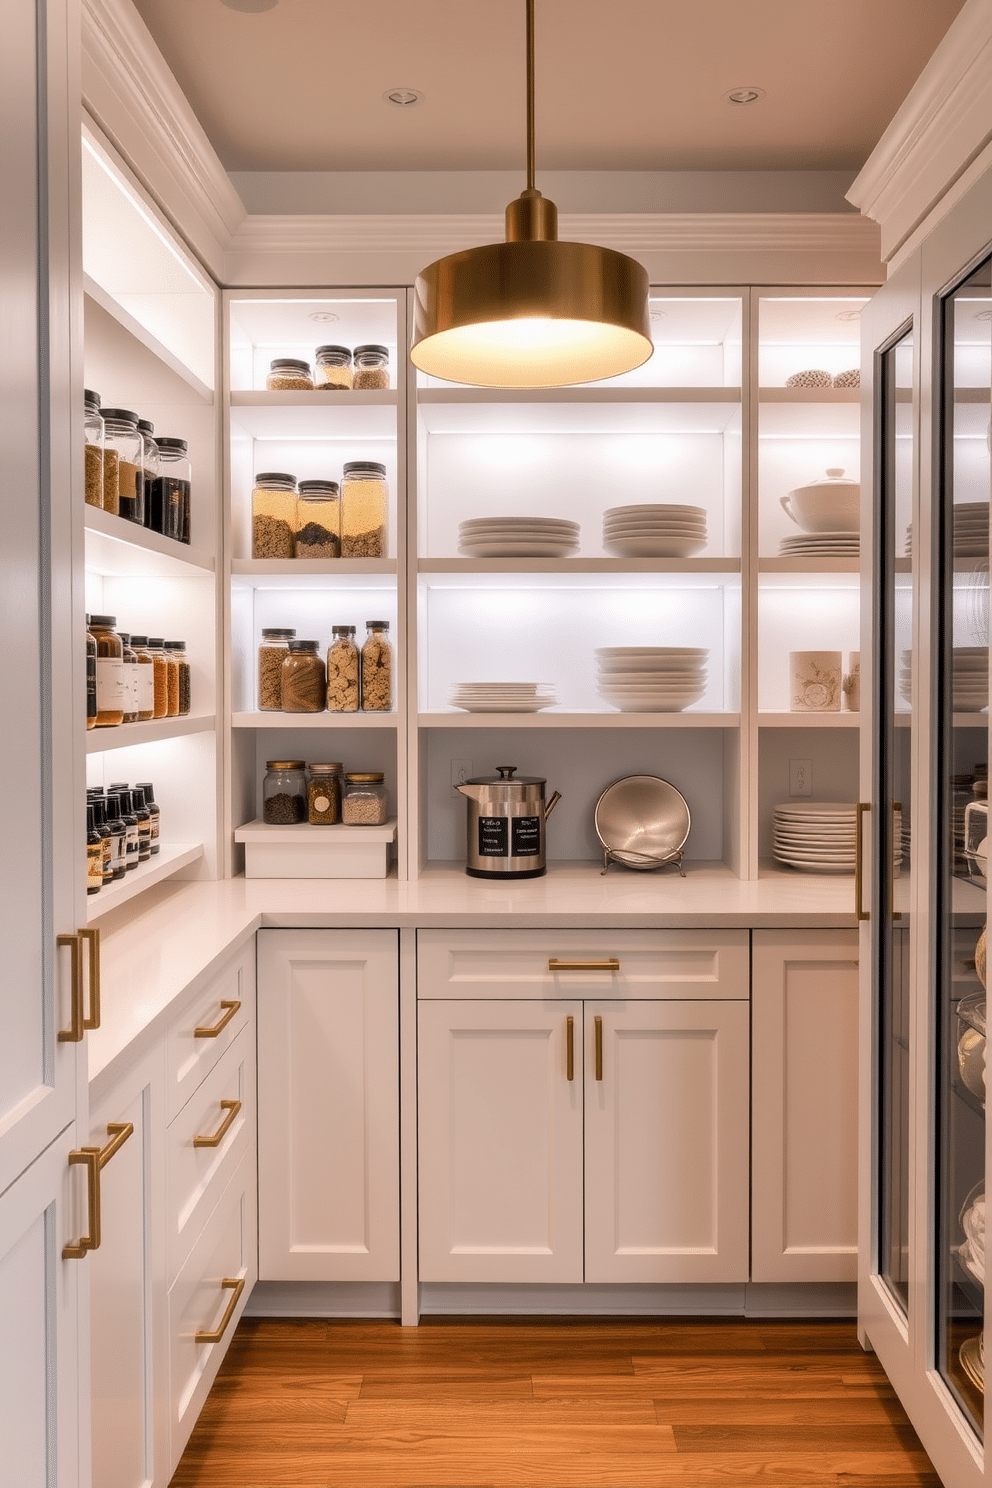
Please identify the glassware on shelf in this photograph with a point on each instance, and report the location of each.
(123, 471)
(154, 811)
(94, 434)
(273, 515)
(304, 682)
(149, 465)
(324, 794)
(284, 793)
(118, 837)
(91, 703)
(160, 676)
(364, 801)
(371, 367)
(145, 678)
(109, 671)
(318, 519)
(289, 374)
(377, 668)
(272, 653)
(179, 692)
(130, 660)
(332, 368)
(363, 510)
(97, 800)
(171, 492)
(94, 854)
(343, 693)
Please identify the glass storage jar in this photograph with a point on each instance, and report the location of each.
(91, 707)
(304, 683)
(371, 367)
(318, 519)
(149, 466)
(377, 668)
(93, 431)
(342, 671)
(364, 802)
(130, 660)
(332, 368)
(97, 800)
(324, 795)
(272, 653)
(123, 473)
(363, 510)
(109, 671)
(160, 676)
(176, 651)
(288, 375)
(146, 678)
(273, 515)
(284, 793)
(170, 496)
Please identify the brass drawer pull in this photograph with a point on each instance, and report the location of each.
(235, 1285)
(569, 1048)
(599, 1047)
(611, 963)
(221, 1024)
(93, 939)
(232, 1107)
(859, 842)
(74, 1033)
(95, 1158)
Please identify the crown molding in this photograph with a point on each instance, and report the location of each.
(942, 126)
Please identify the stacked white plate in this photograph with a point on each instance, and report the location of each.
(652, 679)
(503, 697)
(814, 836)
(659, 531)
(969, 678)
(821, 545)
(971, 530)
(518, 537)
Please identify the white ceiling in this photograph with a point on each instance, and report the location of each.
(622, 85)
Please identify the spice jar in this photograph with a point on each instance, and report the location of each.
(342, 671)
(371, 367)
(303, 679)
(364, 802)
(149, 466)
(363, 510)
(160, 677)
(94, 854)
(284, 793)
(377, 668)
(96, 799)
(109, 671)
(287, 374)
(118, 838)
(93, 430)
(273, 515)
(154, 811)
(332, 368)
(170, 494)
(130, 678)
(318, 519)
(179, 663)
(123, 474)
(271, 655)
(324, 795)
(145, 678)
(91, 705)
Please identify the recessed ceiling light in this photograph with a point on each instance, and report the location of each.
(658, 314)
(250, 7)
(983, 315)
(322, 317)
(744, 95)
(848, 315)
(403, 97)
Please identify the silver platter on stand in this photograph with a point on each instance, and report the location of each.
(643, 823)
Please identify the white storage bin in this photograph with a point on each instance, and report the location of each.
(316, 852)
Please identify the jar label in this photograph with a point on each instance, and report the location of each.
(525, 837)
(494, 837)
(110, 684)
(146, 688)
(321, 803)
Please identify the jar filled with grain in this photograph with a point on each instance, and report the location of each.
(149, 448)
(93, 430)
(91, 706)
(176, 651)
(273, 515)
(130, 678)
(363, 510)
(160, 676)
(343, 693)
(318, 519)
(324, 795)
(289, 375)
(171, 491)
(284, 793)
(377, 668)
(271, 654)
(146, 678)
(332, 370)
(364, 801)
(304, 683)
(371, 367)
(109, 671)
(123, 472)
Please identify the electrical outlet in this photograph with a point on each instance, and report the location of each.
(461, 771)
(800, 777)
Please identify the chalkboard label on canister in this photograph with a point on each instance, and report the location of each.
(493, 837)
(525, 837)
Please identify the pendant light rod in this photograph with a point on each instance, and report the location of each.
(530, 96)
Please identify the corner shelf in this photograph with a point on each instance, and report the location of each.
(170, 858)
(127, 735)
(122, 549)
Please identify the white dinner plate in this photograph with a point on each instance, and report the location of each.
(654, 547)
(518, 548)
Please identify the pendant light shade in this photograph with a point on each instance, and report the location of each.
(532, 311)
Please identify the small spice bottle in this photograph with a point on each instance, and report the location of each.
(318, 519)
(109, 671)
(371, 367)
(94, 855)
(363, 510)
(304, 681)
(287, 374)
(160, 677)
(98, 801)
(332, 368)
(91, 704)
(132, 850)
(172, 678)
(364, 802)
(177, 652)
(144, 819)
(146, 678)
(123, 476)
(154, 813)
(170, 496)
(343, 693)
(271, 655)
(118, 837)
(324, 794)
(149, 464)
(273, 515)
(93, 429)
(130, 678)
(377, 668)
(284, 793)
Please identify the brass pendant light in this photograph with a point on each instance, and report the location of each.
(533, 311)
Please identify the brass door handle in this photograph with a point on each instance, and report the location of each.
(896, 913)
(859, 841)
(74, 1033)
(95, 1158)
(215, 1028)
(235, 1285)
(232, 1107)
(598, 1026)
(92, 937)
(569, 1048)
(611, 963)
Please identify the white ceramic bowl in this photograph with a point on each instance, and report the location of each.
(831, 505)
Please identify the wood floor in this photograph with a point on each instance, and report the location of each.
(524, 1403)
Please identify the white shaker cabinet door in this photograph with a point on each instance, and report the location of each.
(328, 1105)
(500, 1138)
(805, 1117)
(666, 1131)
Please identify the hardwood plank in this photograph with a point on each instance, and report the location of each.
(828, 1413)
(453, 1414)
(881, 1436)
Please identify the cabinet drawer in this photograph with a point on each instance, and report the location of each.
(520, 964)
(224, 1103)
(199, 1301)
(209, 1025)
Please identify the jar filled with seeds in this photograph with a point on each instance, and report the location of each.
(332, 369)
(93, 430)
(371, 367)
(288, 375)
(342, 671)
(130, 660)
(363, 510)
(170, 493)
(149, 462)
(171, 679)
(109, 671)
(176, 651)
(271, 654)
(324, 795)
(273, 515)
(146, 678)
(284, 793)
(377, 668)
(318, 519)
(160, 676)
(304, 683)
(123, 472)
(364, 801)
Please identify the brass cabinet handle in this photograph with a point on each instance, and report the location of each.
(95, 1158)
(221, 1024)
(599, 1048)
(232, 1107)
(859, 840)
(74, 1033)
(92, 937)
(235, 1285)
(570, 1048)
(611, 963)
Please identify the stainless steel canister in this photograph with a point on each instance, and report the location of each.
(505, 835)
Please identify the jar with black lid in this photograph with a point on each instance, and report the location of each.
(284, 793)
(332, 368)
(289, 374)
(318, 519)
(149, 458)
(172, 649)
(363, 509)
(177, 653)
(146, 677)
(304, 684)
(98, 801)
(147, 790)
(91, 704)
(171, 493)
(109, 671)
(343, 687)
(377, 668)
(94, 855)
(273, 515)
(123, 475)
(160, 676)
(371, 367)
(324, 794)
(130, 660)
(118, 837)
(94, 434)
(271, 654)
